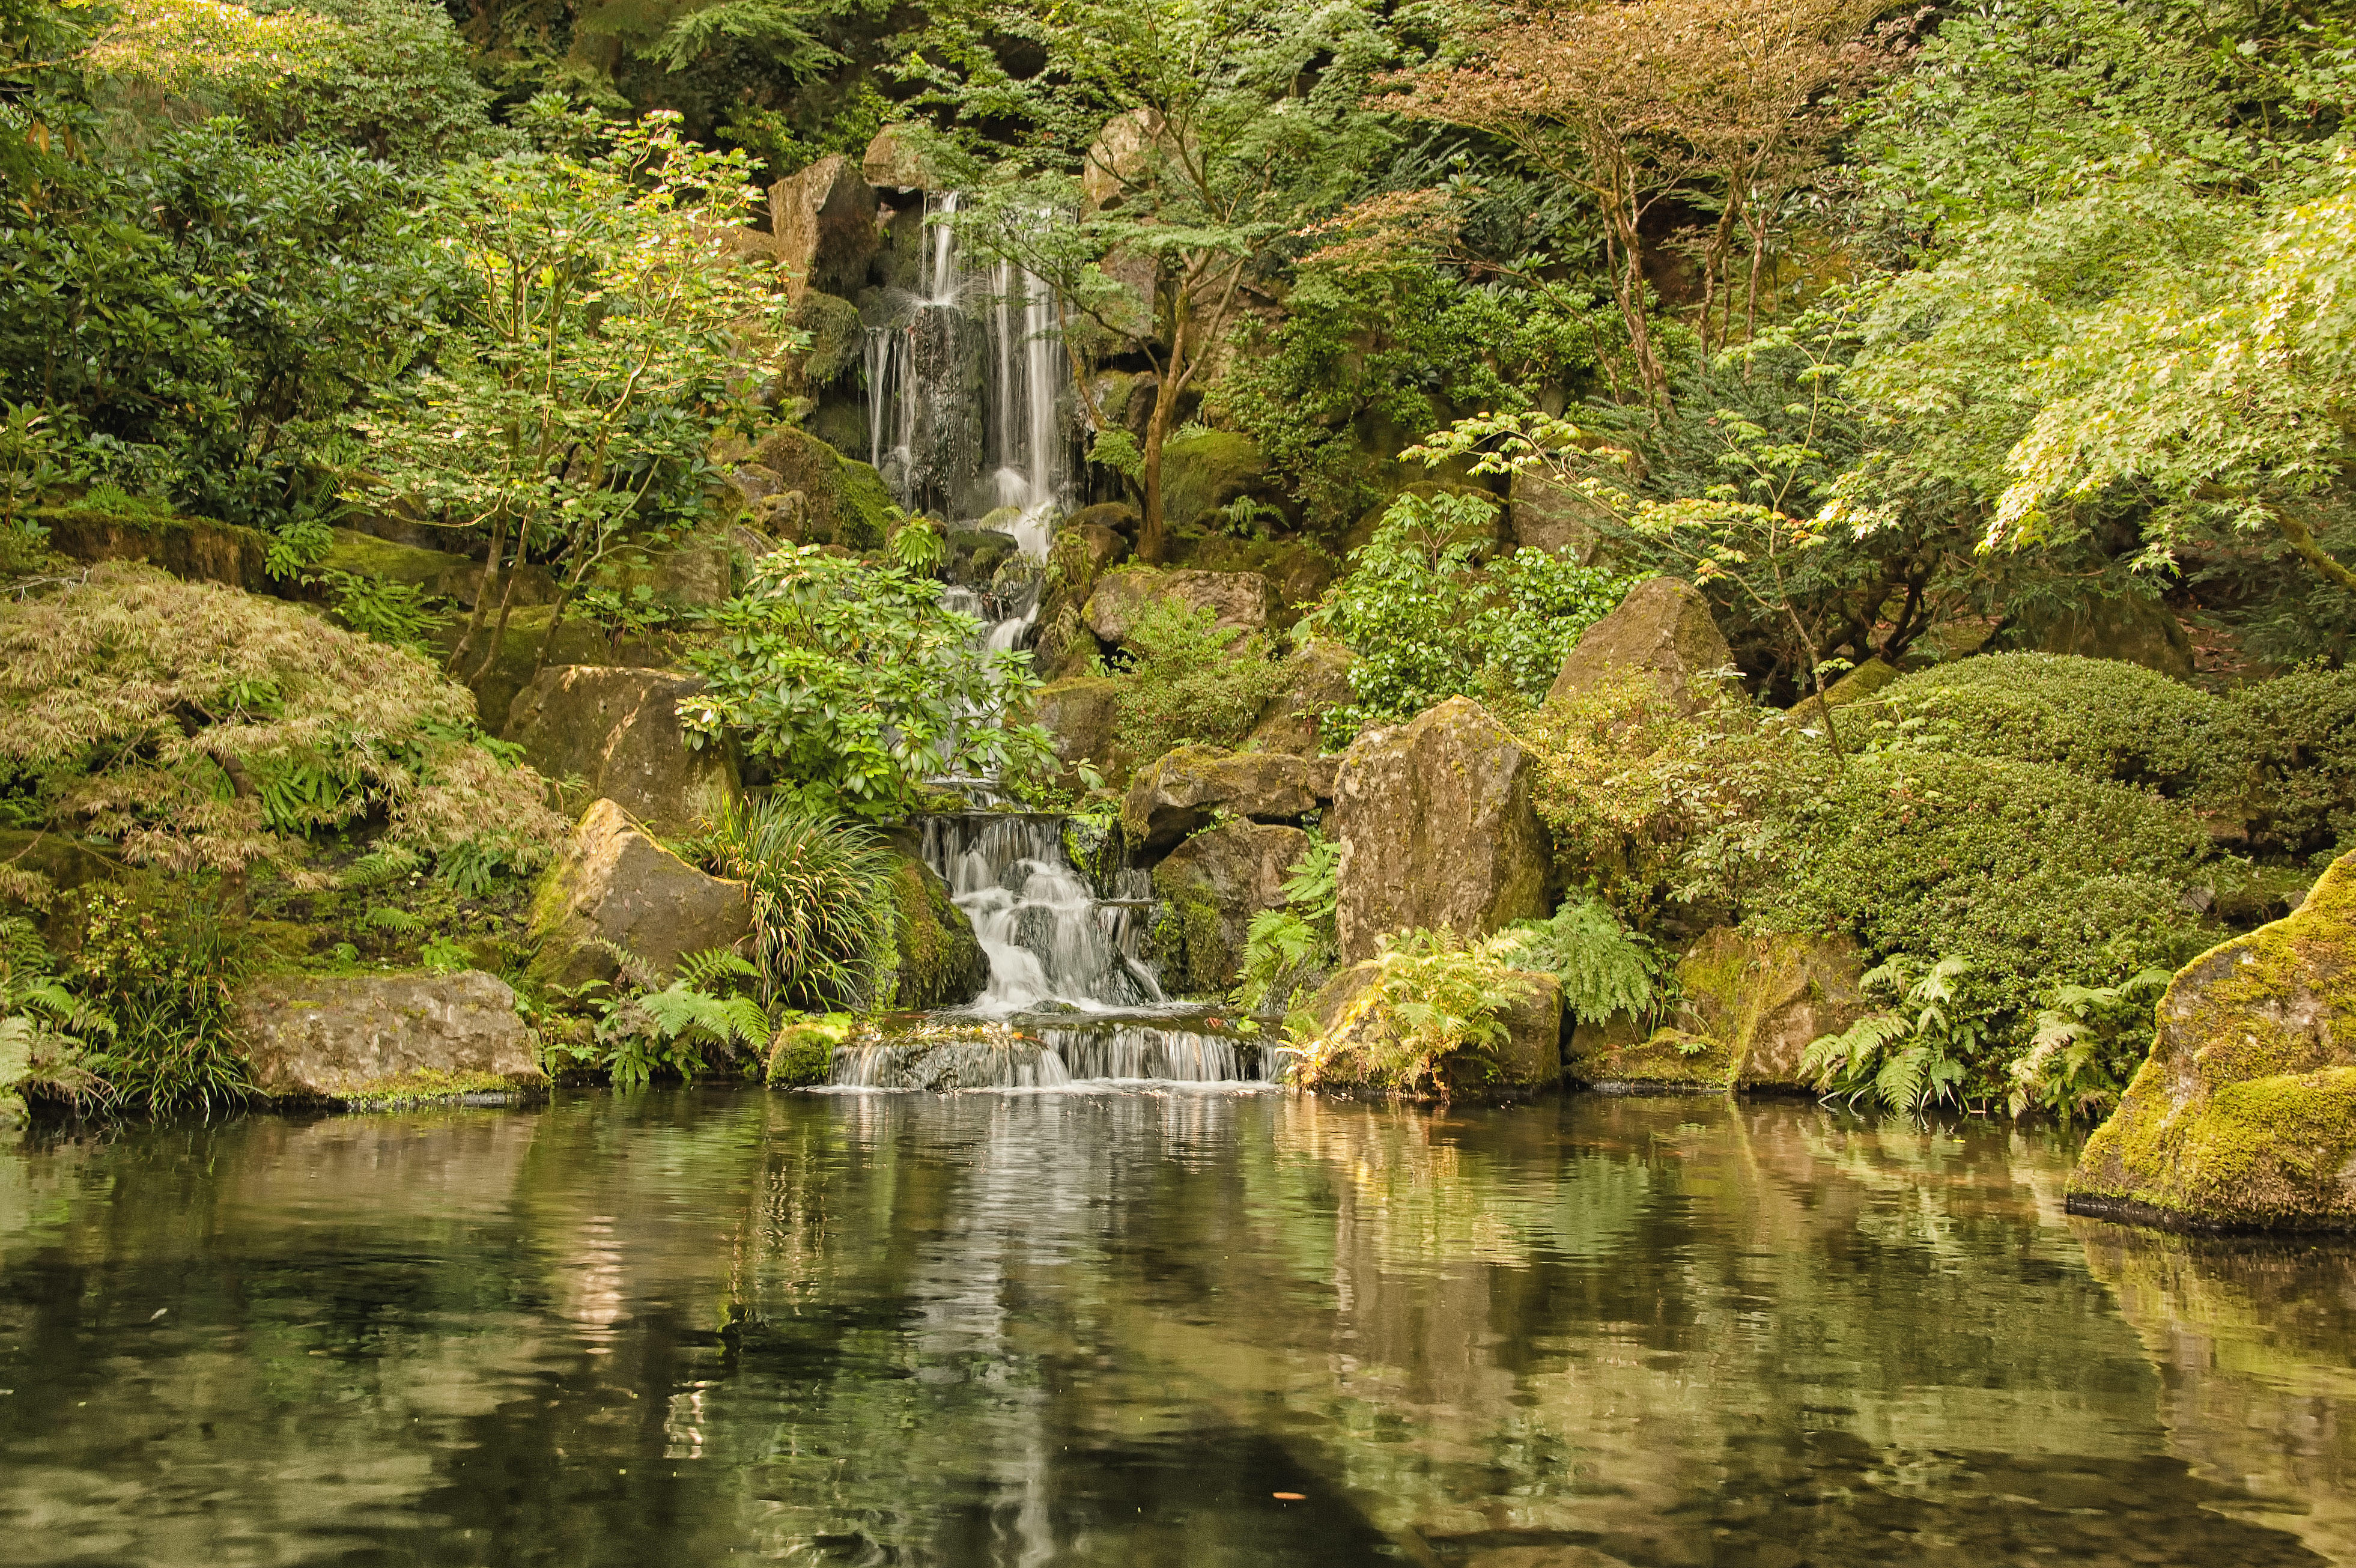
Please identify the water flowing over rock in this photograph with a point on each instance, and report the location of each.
(1175, 794)
(1048, 936)
(1045, 1056)
(1242, 601)
(364, 1037)
(612, 886)
(1663, 629)
(2244, 1114)
(1211, 886)
(1436, 829)
(619, 730)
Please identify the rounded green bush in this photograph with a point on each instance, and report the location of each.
(2280, 755)
(2099, 717)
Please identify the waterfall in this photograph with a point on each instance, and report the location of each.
(922, 386)
(1049, 939)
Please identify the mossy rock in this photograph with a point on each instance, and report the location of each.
(1621, 1057)
(196, 549)
(1203, 472)
(1864, 682)
(578, 641)
(803, 1051)
(2244, 1114)
(386, 561)
(1748, 1007)
(837, 340)
(844, 502)
(941, 963)
(2130, 628)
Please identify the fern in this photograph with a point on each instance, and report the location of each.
(2088, 1042)
(1908, 1057)
(1604, 968)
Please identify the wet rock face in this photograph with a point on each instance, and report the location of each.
(2244, 1114)
(359, 1036)
(1436, 829)
(1242, 601)
(619, 730)
(941, 962)
(1176, 794)
(1662, 628)
(1213, 885)
(612, 884)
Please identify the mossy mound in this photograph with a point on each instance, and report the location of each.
(2244, 1115)
(941, 962)
(2099, 718)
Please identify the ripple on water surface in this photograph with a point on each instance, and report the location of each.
(1178, 1325)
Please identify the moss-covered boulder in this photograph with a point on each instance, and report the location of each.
(195, 549)
(1436, 827)
(1547, 515)
(1749, 1005)
(1664, 627)
(1176, 794)
(1204, 472)
(618, 731)
(1242, 601)
(822, 225)
(941, 963)
(2126, 627)
(614, 890)
(1860, 685)
(403, 1037)
(1211, 886)
(843, 501)
(2244, 1114)
(838, 341)
(1082, 715)
(518, 657)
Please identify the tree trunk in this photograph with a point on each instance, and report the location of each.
(1153, 542)
(484, 589)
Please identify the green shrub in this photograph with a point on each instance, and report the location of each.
(2281, 756)
(823, 914)
(1428, 622)
(1605, 967)
(46, 1034)
(2090, 1040)
(164, 980)
(2031, 876)
(2103, 718)
(1430, 1020)
(203, 728)
(1909, 1056)
(1190, 680)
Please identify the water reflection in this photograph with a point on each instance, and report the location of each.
(1089, 1328)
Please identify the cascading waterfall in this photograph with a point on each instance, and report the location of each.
(921, 389)
(1049, 939)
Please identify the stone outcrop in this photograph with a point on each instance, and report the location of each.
(1530, 1056)
(1081, 713)
(1546, 515)
(2245, 1114)
(1750, 1006)
(941, 963)
(1212, 885)
(1122, 152)
(822, 221)
(1317, 681)
(612, 886)
(385, 1037)
(838, 343)
(1436, 829)
(824, 497)
(1173, 795)
(1661, 628)
(894, 161)
(619, 729)
(1857, 685)
(1242, 601)
(1203, 472)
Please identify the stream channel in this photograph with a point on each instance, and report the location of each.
(1187, 1325)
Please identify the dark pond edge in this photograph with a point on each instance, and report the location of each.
(2152, 1216)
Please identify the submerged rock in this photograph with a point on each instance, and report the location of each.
(1242, 601)
(614, 887)
(1662, 628)
(1748, 1007)
(1211, 886)
(2244, 1114)
(1175, 794)
(1436, 829)
(619, 729)
(385, 1037)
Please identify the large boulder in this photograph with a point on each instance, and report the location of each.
(895, 160)
(1749, 1008)
(1122, 152)
(385, 1037)
(1211, 886)
(614, 887)
(1242, 601)
(2245, 1114)
(618, 730)
(837, 340)
(1548, 515)
(822, 221)
(2126, 627)
(941, 963)
(1530, 1057)
(1082, 715)
(1436, 829)
(824, 497)
(1662, 628)
(1203, 472)
(1173, 795)
(1317, 681)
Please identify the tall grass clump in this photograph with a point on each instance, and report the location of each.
(823, 919)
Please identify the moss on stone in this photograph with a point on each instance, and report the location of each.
(385, 560)
(427, 1086)
(1613, 1056)
(1187, 941)
(2244, 1115)
(941, 962)
(803, 1053)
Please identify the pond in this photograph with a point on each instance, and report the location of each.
(1194, 1326)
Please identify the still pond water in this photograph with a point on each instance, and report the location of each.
(1141, 1327)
